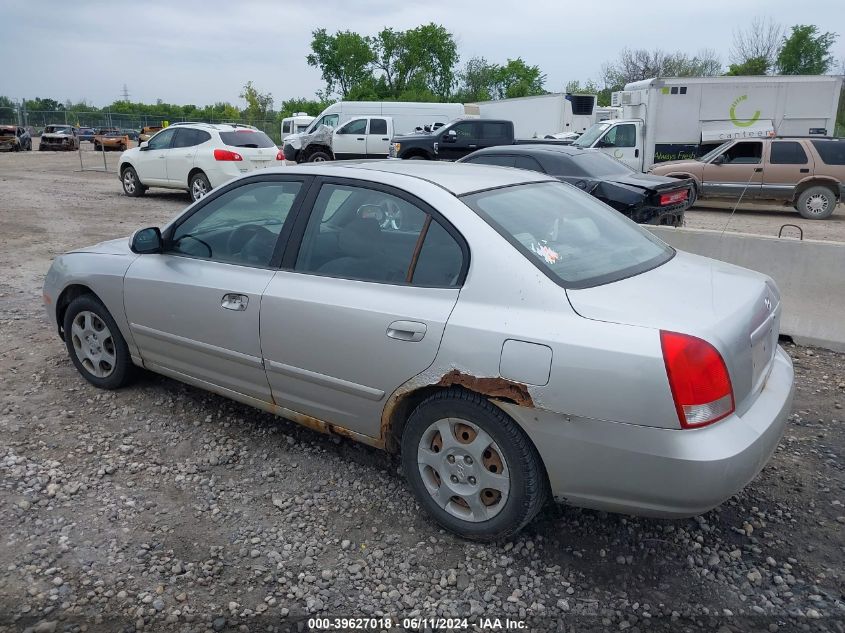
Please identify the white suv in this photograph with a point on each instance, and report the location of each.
(196, 157)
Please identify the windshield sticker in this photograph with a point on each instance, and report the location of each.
(549, 255)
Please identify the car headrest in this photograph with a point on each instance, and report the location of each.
(360, 238)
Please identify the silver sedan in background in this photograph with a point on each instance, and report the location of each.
(511, 336)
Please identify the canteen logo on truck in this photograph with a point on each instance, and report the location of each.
(739, 122)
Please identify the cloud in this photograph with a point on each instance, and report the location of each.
(204, 51)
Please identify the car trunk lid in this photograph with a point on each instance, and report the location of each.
(735, 309)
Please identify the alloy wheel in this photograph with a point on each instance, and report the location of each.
(93, 344)
(129, 183)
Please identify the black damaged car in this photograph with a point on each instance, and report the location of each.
(645, 198)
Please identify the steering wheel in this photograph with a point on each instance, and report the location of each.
(392, 216)
(241, 236)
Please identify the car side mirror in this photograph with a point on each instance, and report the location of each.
(719, 160)
(144, 241)
(144, 145)
(450, 137)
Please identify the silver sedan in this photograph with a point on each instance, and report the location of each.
(512, 337)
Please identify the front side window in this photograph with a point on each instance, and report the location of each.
(464, 131)
(358, 126)
(744, 153)
(238, 227)
(572, 237)
(371, 235)
(286, 127)
(162, 139)
(621, 136)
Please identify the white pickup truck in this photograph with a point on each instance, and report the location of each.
(361, 137)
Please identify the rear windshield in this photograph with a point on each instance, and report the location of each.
(831, 152)
(246, 138)
(572, 237)
(597, 164)
(7, 131)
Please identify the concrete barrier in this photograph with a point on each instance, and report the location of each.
(809, 273)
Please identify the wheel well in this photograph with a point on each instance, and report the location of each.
(417, 152)
(123, 167)
(194, 172)
(398, 410)
(834, 189)
(69, 294)
(317, 148)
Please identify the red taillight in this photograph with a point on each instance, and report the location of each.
(701, 386)
(280, 155)
(225, 154)
(673, 197)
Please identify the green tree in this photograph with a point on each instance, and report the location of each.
(477, 81)
(806, 51)
(753, 66)
(39, 104)
(344, 59)
(518, 79)
(258, 105)
(309, 106)
(590, 88)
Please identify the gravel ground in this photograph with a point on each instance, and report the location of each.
(164, 508)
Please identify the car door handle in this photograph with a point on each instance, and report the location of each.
(757, 170)
(636, 153)
(161, 156)
(234, 302)
(384, 138)
(187, 155)
(360, 138)
(411, 331)
(472, 146)
(804, 170)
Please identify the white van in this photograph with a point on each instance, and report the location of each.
(406, 115)
(296, 123)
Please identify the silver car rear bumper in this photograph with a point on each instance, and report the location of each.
(660, 472)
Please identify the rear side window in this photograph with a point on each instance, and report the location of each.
(492, 159)
(187, 137)
(528, 162)
(572, 237)
(787, 153)
(831, 152)
(494, 130)
(246, 138)
(378, 126)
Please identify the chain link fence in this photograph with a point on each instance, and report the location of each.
(38, 119)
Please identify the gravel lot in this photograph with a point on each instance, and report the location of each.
(164, 508)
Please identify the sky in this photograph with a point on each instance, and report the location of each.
(204, 51)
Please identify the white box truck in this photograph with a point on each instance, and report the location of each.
(684, 117)
(543, 115)
(406, 115)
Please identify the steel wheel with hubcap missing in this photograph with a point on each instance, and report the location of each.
(95, 344)
(463, 469)
(471, 466)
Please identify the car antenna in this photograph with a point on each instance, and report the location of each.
(744, 189)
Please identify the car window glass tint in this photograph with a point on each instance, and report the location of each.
(378, 126)
(440, 259)
(621, 136)
(370, 236)
(244, 137)
(831, 152)
(464, 130)
(492, 159)
(286, 127)
(787, 153)
(162, 139)
(494, 130)
(359, 126)
(745, 153)
(528, 162)
(239, 227)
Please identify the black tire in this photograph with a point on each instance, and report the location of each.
(197, 183)
(123, 371)
(29, 145)
(318, 157)
(693, 197)
(816, 203)
(131, 183)
(528, 483)
(417, 157)
(98, 147)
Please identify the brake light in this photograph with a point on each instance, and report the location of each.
(699, 380)
(673, 197)
(225, 154)
(280, 155)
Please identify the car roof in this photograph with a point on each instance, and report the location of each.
(568, 150)
(457, 178)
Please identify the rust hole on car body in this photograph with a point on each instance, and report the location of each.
(321, 426)
(491, 387)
